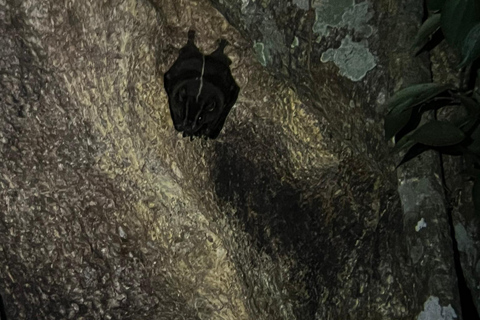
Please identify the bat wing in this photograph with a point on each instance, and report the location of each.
(187, 67)
(217, 72)
(232, 98)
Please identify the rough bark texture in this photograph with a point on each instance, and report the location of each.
(292, 213)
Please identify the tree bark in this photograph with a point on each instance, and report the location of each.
(292, 213)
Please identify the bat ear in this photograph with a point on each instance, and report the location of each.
(191, 36)
(190, 49)
(219, 54)
(222, 44)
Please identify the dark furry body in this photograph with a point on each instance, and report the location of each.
(201, 90)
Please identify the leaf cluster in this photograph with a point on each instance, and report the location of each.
(460, 137)
(458, 21)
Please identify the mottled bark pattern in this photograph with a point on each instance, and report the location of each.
(295, 211)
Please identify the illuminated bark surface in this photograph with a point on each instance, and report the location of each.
(294, 212)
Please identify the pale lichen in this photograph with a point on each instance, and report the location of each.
(340, 14)
(353, 58)
(433, 310)
(260, 53)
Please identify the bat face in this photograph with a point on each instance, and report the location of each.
(201, 90)
(197, 110)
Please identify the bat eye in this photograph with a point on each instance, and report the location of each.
(182, 95)
(211, 106)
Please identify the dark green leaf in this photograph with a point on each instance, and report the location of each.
(427, 29)
(458, 17)
(467, 123)
(399, 104)
(433, 41)
(472, 106)
(471, 46)
(476, 194)
(476, 134)
(474, 146)
(414, 95)
(438, 134)
(476, 94)
(435, 5)
(404, 143)
(411, 125)
(394, 122)
(471, 120)
(436, 103)
(414, 151)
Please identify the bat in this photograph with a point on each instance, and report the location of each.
(201, 90)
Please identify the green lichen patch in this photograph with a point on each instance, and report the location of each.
(341, 13)
(260, 53)
(295, 42)
(356, 18)
(353, 58)
(329, 13)
(302, 4)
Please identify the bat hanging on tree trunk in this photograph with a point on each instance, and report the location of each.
(201, 90)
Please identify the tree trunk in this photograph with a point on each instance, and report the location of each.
(294, 212)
